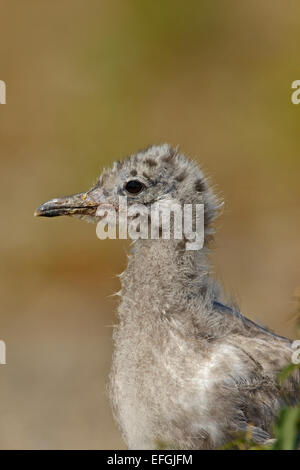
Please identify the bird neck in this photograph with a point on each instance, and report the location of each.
(163, 276)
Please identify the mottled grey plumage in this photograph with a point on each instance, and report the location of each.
(187, 370)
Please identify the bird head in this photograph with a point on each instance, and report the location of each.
(155, 174)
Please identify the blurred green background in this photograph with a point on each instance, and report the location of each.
(91, 81)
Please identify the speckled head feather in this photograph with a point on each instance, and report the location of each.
(166, 174)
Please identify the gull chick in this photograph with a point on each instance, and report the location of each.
(188, 371)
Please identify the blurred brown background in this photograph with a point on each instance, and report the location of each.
(90, 81)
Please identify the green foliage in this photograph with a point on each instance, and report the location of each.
(287, 429)
(286, 372)
(244, 441)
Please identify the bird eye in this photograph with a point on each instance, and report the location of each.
(134, 187)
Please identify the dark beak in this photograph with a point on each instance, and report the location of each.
(81, 204)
